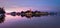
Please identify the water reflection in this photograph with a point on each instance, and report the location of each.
(2, 18)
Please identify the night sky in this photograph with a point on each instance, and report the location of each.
(22, 5)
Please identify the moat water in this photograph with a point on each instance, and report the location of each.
(34, 22)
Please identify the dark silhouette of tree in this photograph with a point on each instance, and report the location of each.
(13, 13)
(2, 11)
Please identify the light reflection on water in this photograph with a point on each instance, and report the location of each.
(35, 22)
